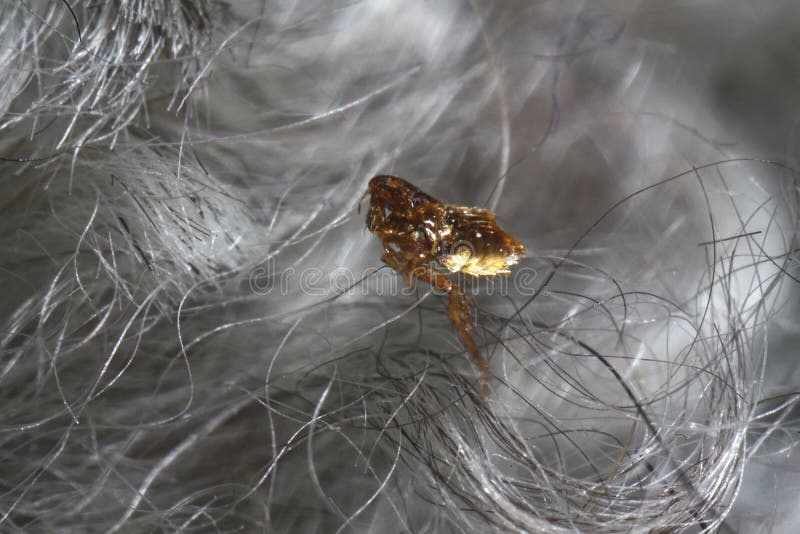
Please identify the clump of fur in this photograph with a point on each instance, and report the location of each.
(198, 334)
(85, 80)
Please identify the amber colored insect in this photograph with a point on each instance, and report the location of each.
(417, 231)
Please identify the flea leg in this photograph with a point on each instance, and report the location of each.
(458, 311)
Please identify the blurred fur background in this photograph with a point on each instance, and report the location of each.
(197, 334)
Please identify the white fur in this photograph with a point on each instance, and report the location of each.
(187, 340)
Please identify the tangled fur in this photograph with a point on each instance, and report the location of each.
(197, 333)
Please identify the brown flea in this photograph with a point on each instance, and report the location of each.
(416, 229)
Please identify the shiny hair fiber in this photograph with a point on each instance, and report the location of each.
(199, 335)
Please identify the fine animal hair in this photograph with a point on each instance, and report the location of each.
(198, 333)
